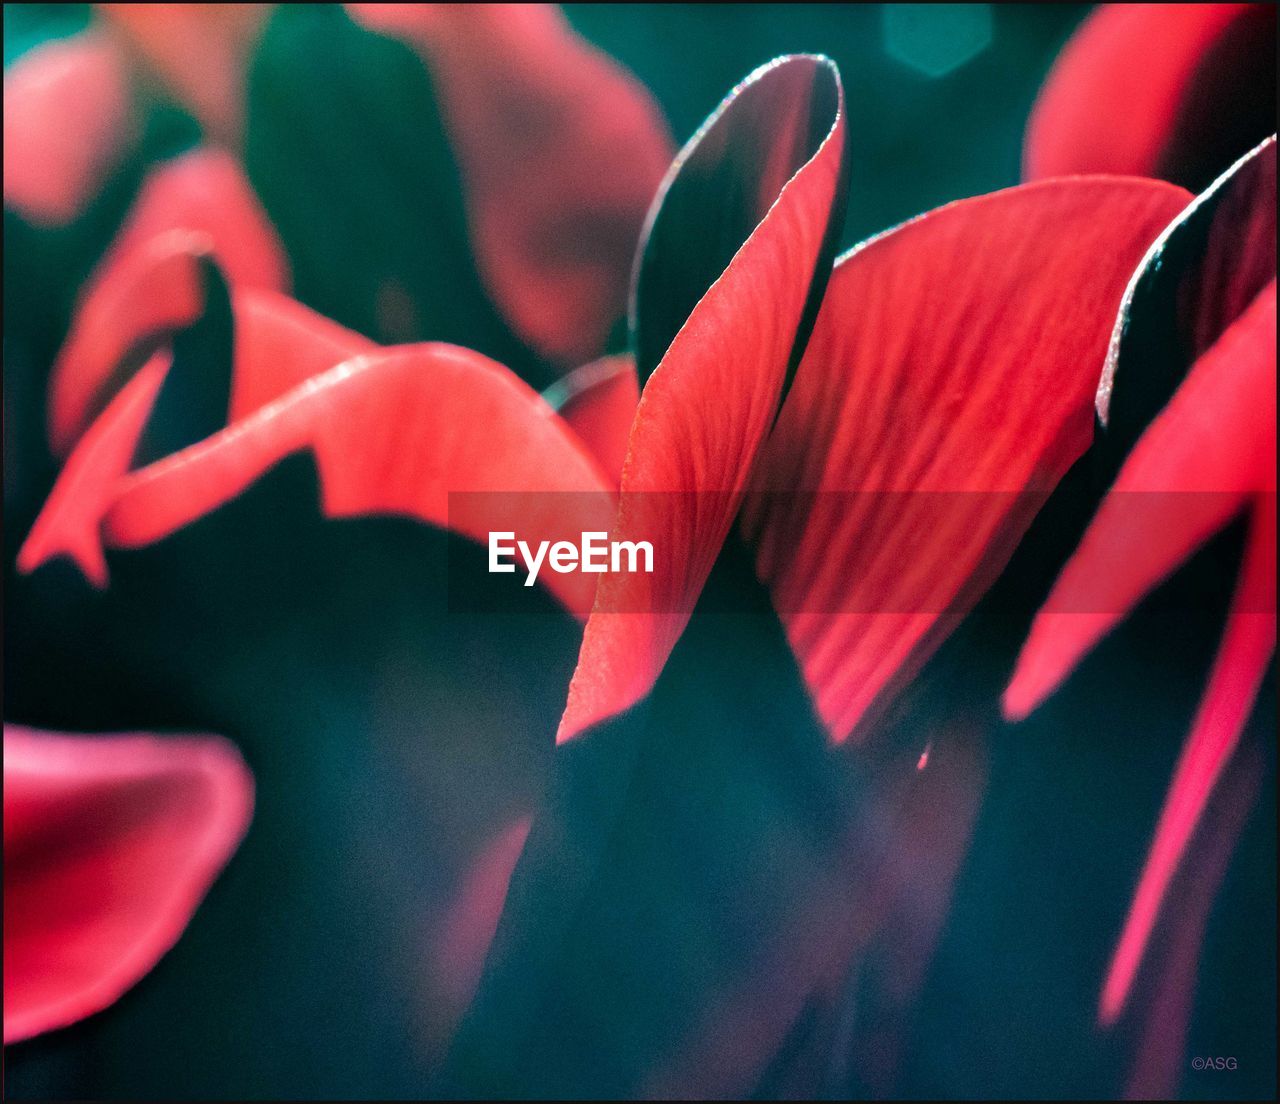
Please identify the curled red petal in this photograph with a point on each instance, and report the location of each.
(560, 150)
(110, 843)
(948, 386)
(1167, 90)
(198, 205)
(1209, 453)
(599, 401)
(151, 292)
(708, 405)
(392, 432)
(200, 51)
(66, 121)
(1201, 275)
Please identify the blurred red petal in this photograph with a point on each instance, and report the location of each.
(599, 402)
(110, 843)
(1161, 1055)
(1210, 452)
(1209, 455)
(201, 51)
(147, 286)
(206, 190)
(1154, 89)
(561, 151)
(1246, 649)
(66, 120)
(150, 293)
(472, 917)
(874, 912)
(709, 403)
(947, 388)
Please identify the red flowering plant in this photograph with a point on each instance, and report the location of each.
(773, 834)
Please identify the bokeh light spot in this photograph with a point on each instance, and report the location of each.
(935, 39)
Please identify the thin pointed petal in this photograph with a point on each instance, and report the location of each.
(1200, 463)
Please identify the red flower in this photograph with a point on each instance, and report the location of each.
(109, 845)
(857, 475)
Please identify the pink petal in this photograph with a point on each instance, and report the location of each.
(393, 432)
(1246, 649)
(201, 51)
(561, 151)
(1199, 464)
(1209, 454)
(66, 121)
(110, 843)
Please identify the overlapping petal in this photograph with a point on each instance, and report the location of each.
(1201, 274)
(110, 843)
(599, 401)
(392, 432)
(1189, 407)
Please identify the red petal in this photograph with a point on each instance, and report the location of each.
(199, 204)
(279, 344)
(599, 401)
(110, 843)
(708, 405)
(561, 151)
(201, 51)
(1247, 647)
(461, 945)
(1141, 86)
(1200, 276)
(206, 190)
(1211, 451)
(948, 386)
(70, 522)
(1161, 1055)
(1202, 459)
(395, 431)
(66, 120)
(154, 291)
